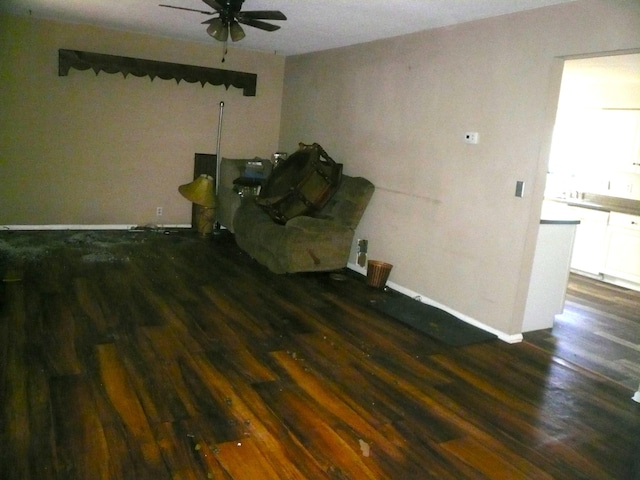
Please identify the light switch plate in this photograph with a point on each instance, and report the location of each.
(520, 188)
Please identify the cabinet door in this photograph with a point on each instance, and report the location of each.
(623, 247)
(574, 137)
(596, 140)
(616, 143)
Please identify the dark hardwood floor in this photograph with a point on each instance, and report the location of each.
(150, 356)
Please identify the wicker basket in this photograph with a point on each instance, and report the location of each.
(378, 273)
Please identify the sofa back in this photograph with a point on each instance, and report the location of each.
(349, 202)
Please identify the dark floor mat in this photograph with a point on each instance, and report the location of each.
(431, 320)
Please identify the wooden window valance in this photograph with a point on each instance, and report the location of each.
(68, 59)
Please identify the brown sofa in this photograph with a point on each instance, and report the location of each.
(321, 242)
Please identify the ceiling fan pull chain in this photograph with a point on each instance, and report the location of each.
(224, 50)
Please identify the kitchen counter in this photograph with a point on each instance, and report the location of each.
(555, 249)
(557, 213)
(607, 240)
(604, 203)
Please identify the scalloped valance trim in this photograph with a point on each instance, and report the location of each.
(98, 62)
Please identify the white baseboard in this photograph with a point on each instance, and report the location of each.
(603, 277)
(621, 282)
(424, 299)
(88, 227)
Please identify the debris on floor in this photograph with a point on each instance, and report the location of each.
(364, 447)
(12, 276)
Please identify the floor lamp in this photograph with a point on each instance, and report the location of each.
(217, 230)
(201, 193)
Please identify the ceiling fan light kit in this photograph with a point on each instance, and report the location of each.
(217, 29)
(236, 32)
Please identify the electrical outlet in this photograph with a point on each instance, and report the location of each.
(158, 211)
(363, 245)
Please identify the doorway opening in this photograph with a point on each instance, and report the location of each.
(594, 171)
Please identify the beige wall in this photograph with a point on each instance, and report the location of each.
(87, 149)
(444, 212)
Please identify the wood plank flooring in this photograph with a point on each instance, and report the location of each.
(164, 356)
(599, 330)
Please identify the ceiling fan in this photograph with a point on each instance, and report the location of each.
(229, 16)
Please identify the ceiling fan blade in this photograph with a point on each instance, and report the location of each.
(213, 4)
(258, 24)
(188, 9)
(262, 15)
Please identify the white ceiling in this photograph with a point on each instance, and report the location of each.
(312, 25)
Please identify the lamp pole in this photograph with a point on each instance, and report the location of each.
(218, 145)
(217, 227)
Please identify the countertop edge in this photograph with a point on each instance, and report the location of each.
(631, 209)
(545, 221)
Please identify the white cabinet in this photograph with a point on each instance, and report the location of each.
(623, 247)
(589, 246)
